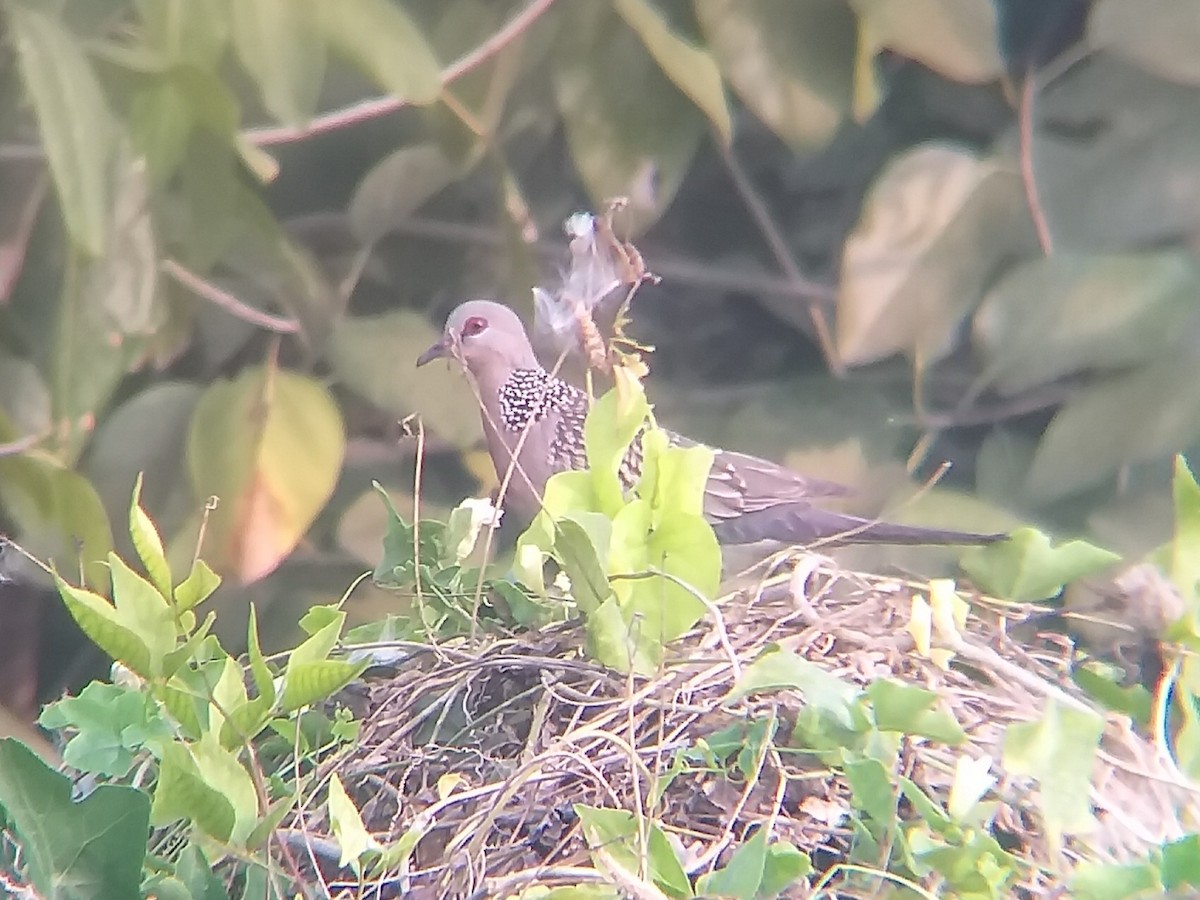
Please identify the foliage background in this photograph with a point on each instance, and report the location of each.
(229, 226)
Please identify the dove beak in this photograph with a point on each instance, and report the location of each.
(440, 350)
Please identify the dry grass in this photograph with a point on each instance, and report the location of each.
(531, 728)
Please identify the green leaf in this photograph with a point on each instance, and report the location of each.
(195, 871)
(909, 709)
(779, 669)
(1058, 750)
(352, 836)
(630, 131)
(581, 545)
(742, 877)
(79, 132)
(158, 415)
(56, 512)
(1059, 315)
(1181, 863)
(385, 43)
(1165, 43)
(957, 38)
(394, 188)
(1185, 543)
(1026, 568)
(323, 624)
(307, 682)
(784, 867)
(94, 848)
(1132, 700)
(268, 444)
(114, 295)
(373, 356)
(611, 426)
(1156, 418)
(148, 544)
(616, 832)
(685, 547)
(873, 792)
(791, 63)
(280, 45)
(263, 680)
(689, 66)
(1101, 881)
(111, 725)
(187, 31)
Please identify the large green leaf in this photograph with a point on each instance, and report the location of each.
(56, 513)
(935, 224)
(375, 356)
(398, 185)
(689, 65)
(78, 130)
(381, 39)
(279, 42)
(75, 851)
(188, 31)
(954, 37)
(1163, 38)
(1066, 313)
(1131, 182)
(1137, 416)
(630, 131)
(145, 434)
(269, 445)
(108, 309)
(791, 63)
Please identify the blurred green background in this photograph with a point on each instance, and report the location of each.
(891, 233)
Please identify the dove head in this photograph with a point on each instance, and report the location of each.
(488, 337)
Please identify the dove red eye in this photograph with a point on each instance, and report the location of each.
(474, 326)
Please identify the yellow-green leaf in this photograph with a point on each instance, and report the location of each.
(183, 793)
(306, 683)
(348, 828)
(147, 543)
(144, 611)
(197, 587)
(98, 619)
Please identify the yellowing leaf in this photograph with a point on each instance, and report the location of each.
(448, 784)
(269, 445)
(148, 544)
(352, 836)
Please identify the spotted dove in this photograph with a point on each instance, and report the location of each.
(747, 499)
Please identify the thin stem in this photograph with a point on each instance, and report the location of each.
(227, 301)
(376, 107)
